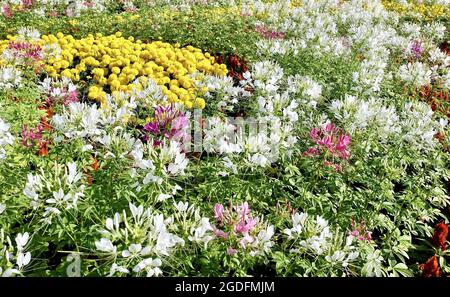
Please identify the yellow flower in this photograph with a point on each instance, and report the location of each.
(114, 63)
(199, 103)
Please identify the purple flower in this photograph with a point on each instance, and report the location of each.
(417, 48)
(26, 50)
(218, 212)
(71, 97)
(167, 123)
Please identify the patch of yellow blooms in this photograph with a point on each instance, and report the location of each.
(114, 64)
(426, 11)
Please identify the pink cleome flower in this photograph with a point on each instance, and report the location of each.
(360, 231)
(7, 12)
(269, 34)
(330, 141)
(168, 123)
(26, 50)
(29, 137)
(238, 221)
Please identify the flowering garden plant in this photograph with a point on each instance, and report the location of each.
(224, 138)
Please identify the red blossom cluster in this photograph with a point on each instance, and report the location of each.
(437, 98)
(435, 95)
(431, 267)
(237, 66)
(95, 165)
(440, 235)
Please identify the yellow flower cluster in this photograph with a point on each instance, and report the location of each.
(114, 64)
(3, 46)
(426, 12)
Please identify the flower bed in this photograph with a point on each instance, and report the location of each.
(268, 138)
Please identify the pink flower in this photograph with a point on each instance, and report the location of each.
(27, 3)
(332, 142)
(246, 239)
(218, 212)
(88, 4)
(245, 226)
(337, 167)
(31, 136)
(26, 50)
(243, 210)
(314, 134)
(7, 12)
(312, 151)
(360, 232)
(343, 142)
(231, 251)
(269, 34)
(71, 97)
(329, 128)
(69, 12)
(221, 234)
(326, 141)
(167, 123)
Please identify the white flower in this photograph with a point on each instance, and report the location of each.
(116, 268)
(200, 233)
(22, 240)
(10, 272)
(73, 176)
(5, 138)
(149, 264)
(23, 259)
(136, 211)
(417, 73)
(178, 166)
(105, 245)
(338, 256)
(133, 249)
(181, 206)
(10, 77)
(162, 197)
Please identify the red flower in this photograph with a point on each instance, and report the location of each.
(234, 61)
(95, 164)
(431, 268)
(440, 236)
(89, 177)
(43, 149)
